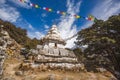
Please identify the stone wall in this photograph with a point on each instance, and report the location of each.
(54, 58)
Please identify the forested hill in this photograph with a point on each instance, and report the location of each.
(19, 35)
(103, 41)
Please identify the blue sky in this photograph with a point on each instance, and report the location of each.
(38, 21)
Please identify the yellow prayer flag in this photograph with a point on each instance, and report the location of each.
(36, 6)
(63, 13)
(77, 16)
(50, 10)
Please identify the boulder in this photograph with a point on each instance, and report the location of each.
(51, 77)
(19, 73)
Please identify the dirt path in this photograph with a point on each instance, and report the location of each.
(58, 75)
(10, 69)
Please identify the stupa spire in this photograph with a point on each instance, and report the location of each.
(53, 36)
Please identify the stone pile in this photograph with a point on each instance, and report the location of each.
(8, 46)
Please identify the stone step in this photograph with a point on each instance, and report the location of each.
(47, 61)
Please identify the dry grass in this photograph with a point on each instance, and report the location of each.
(12, 65)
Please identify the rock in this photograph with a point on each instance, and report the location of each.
(25, 66)
(19, 73)
(39, 47)
(101, 69)
(51, 77)
(42, 52)
(51, 51)
(63, 52)
(43, 67)
(28, 78)
(33, 51)
(71, 53)
(56, 52)
(8, 78)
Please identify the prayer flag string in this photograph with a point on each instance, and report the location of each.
(89, 18)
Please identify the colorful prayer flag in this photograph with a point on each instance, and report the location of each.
(63, 13)
(47, 9)
(36, 6)
(77, 16)
(86, 18)
(58, 12)
(50, 10)
(90, 17)
(21, 0)
(31, 4)
(44, 8)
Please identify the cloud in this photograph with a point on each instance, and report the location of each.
(9, 15)
(7, 12)
(20, 4)
(66, 25)
(106, 8)
(44, 15)
(35, 34)
(103, 10)
(2, 1)
(46, 26)
(30, 27)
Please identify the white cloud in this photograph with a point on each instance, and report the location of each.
(9, 15)
(44, 15)
(106, 8)
(103, 10)
(30, 26)
(66, 26)
(2, 1)
(7, 12)
(46, 26)
(21, 4)
(35, 34)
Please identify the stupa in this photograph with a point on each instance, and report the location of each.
(53, 38)
(53, 54)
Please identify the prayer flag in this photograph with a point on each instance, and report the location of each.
(36, 6)
(21, 0)
(63, 13)
(44, 8)
(58, 12)
(31, 4)
(77, 16)
(47, 9)
(91, 18)
(50, 10)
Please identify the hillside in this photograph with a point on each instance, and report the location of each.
(19, 35)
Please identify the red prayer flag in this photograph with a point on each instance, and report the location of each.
(47, 9)
(89, 19)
